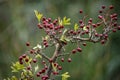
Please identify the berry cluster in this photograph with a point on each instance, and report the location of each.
(86, 30)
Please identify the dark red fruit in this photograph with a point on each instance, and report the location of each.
(102, 41)
(84, 44)
(38, 74)
(50, 60)
(59, 67)
(103, 6)
(100, 11)
(24, 55)
(69, 59)
(118, 27)
(100, 17)
(34, 60)
(111, 7)
(28, 68)
(62, 59)
(20, 58)
(27, 43)
(40, 26)
(74, 51)
(55, 73)
(80, 11)
(21, 62)
(79, 49)
(114, 30)
(31, 51)
(26, 59)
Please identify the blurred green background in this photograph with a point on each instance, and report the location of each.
(18, 25)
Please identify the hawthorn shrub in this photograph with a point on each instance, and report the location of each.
(57, 36)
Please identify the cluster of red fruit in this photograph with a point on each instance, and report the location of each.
(85, 32)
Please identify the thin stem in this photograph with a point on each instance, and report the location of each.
(54, 58)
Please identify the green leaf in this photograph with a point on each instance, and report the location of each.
(64, 21)
(17, 66)
(37, 47)
(76, 27)
(84, 28)
(38, 15)
(36, 68)
(65, 76)
(38, 56)
(63, 37)
(14, 78)
(54, 67)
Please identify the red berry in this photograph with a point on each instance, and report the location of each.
(79, 49)
(74, 51)
(62, 59)
(28, 68)
(46, 67)
(55, 73)
(80, 21)
(34, 60)
(26, 59)
(43, 19)
(38, 74)
(94, 25)
(96, 34)
(103, 6)
(46, 45)
(86, 31)
(100, 17)
(20, 62)
(114, 30)
(100, 11)
(50, 60)
(118, 27)
(100, 35)
(84, 44)
(59, 67)
(31, 51)
(43, 62)
(24, 55)
(80, 11)
(40, 26)
(98, 24)
(69, 59)
(43, 70)
(49, 19)
(111, 7)
(27, 43)
(20, 58)
(102, 41)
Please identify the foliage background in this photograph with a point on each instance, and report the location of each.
(18, 25)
